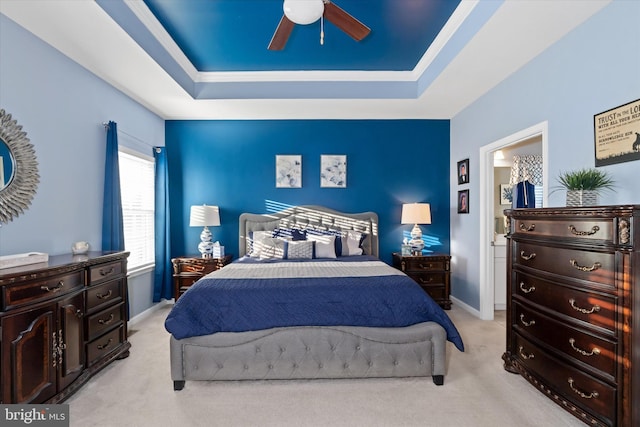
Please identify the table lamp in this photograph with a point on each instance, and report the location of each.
(416, 213)
(205, 216)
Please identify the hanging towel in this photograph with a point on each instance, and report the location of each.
(524, 195)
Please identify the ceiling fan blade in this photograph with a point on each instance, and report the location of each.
(280, 37)
(347, 23)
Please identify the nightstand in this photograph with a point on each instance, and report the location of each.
(432, 272)
(187, 271)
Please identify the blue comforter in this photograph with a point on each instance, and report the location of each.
(351, 291)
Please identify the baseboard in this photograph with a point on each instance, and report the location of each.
(148, 312)
(465, 307)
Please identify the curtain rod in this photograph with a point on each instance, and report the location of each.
(106, 126)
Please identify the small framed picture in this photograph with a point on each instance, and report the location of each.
(463, 171)
(463, 201)
(506, 194)
(288, 171)
(333, 171)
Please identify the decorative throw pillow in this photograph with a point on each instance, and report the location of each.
(325, 246)
(351, 243)
(330, 232)
(290, 233)
(300, 249)
(256, 239)
(272, 248)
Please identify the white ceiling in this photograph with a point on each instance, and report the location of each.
(517, 32)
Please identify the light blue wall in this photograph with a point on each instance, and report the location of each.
(232, 164)
(594, 68)
(62, 106)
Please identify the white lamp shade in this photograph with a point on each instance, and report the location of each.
(204, 216)
(303, 12)
(416, 213)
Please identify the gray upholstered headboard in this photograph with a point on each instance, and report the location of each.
(309, 216)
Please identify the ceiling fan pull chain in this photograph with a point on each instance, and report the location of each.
(322, 30)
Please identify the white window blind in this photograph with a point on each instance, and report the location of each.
(137, 188)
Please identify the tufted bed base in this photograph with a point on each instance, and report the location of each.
(312, 352)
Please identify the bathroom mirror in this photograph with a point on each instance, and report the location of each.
(19, 169)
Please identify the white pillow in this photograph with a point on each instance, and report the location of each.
(299, 249)
(351, 243)
(257, 242)
(325, 246)
(272, 248)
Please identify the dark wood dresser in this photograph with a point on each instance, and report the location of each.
(573, 308)
(61, 322)
(432, 272)
(187, 271)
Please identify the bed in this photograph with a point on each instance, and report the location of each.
(279, 312)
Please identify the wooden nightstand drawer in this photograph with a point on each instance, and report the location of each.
(187, 271)
(431, 272)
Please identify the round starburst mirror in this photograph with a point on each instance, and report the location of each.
(18, 169)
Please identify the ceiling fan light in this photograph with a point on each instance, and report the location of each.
(303, 12)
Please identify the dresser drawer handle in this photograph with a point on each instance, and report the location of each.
(593, 230)
(106, 322)
(429, 280)
(103, 346)
(592, 395)
(526, 291)
(104, 296)
(594, 352)
(523, 227)
(527, 257)
(525, 356)
(583, 310)
(594, 267)
(427, 267)
(56, 288)
(525, 323)
(108, 272)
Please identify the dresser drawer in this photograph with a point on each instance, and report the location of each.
(101, 346)
(573, 263)
(104, 272)
(587, 392)
(103, 295)
(595, 309)
(590, 229)
(104, 320)
(428, 279)
(417, 264)
(578, 345)
(40, 290)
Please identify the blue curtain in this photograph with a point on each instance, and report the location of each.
(112, 223)
(162, 283)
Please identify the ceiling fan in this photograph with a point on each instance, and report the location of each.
(305, 12)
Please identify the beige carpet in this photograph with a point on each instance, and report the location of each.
(138, 391)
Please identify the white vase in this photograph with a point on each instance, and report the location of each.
(577, 198)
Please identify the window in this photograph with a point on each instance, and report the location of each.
(137, 188)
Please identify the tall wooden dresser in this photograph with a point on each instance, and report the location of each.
(573, 308)
(61, 322)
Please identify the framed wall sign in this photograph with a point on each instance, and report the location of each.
(617, 134)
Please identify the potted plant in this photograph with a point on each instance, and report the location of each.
(585, 185)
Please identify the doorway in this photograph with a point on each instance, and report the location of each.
(537, 134)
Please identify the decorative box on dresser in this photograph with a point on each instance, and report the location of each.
(187, 271)
(61, 322)
(573, 308)
(432, 272)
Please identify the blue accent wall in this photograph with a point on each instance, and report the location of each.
(231, 164)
